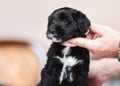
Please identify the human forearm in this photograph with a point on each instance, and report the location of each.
(103, 70)
(111, 68)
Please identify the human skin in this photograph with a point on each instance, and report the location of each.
(101, 41)
(103, 70)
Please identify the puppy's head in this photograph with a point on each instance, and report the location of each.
(66, 23)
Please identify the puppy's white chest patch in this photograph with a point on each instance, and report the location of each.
(68, 63)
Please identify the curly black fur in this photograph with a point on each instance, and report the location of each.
(63, 24)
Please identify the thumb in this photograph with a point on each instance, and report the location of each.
(82, 42)
(99, 29)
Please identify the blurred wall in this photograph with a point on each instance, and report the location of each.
(28, 18)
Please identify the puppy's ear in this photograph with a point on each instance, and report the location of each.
(82, 21)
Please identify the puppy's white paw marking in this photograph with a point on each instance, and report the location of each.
(68, 63)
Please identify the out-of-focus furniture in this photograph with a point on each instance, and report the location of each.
(19, 65)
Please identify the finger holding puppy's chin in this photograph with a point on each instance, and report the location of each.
(72, 42)
(81, 42)
(68, 44)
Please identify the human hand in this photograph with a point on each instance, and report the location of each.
(101, 40)
(103, 70)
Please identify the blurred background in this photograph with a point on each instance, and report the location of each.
(27, 19)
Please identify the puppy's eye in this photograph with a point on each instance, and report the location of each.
(64, 22)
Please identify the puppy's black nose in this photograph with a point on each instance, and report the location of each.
(52, 30)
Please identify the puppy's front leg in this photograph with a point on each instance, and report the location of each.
(44, 78)
(50, 74)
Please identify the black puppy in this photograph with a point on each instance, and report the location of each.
(66, 66)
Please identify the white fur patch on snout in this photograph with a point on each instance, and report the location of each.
(54, 39)
(68, 62)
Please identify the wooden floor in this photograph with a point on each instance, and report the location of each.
(18, 65)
